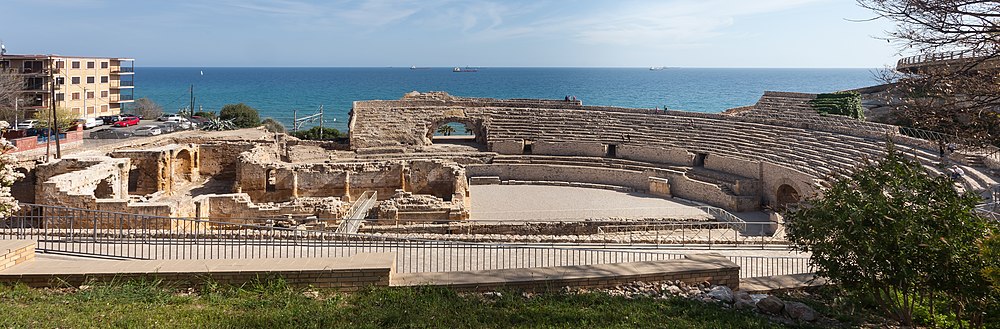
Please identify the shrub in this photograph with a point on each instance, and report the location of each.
(216, 124)
(314, 133)
(273, 125)
(894, 231)
(242, 115)
(841, 103)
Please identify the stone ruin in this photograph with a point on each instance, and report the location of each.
(768, 155)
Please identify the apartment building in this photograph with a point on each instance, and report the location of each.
(89, 86)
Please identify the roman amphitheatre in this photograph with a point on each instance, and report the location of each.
(532, 184)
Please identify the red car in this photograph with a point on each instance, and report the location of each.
(127, 121)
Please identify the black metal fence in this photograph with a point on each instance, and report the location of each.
(133, 236)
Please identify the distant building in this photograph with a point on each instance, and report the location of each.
(89, 86)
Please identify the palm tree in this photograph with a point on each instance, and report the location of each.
(446, 130)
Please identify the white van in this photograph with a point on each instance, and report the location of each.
(88, 123)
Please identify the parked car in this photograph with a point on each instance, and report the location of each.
(88, 123)
(176, 125)
(130, 115)
(111, 119)
(27, 124)
(168, 117)
(127, 121)
(167, 128)
(110, 134)
(150, 130)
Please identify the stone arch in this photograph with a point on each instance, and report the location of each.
(475, 127)
(785, 195)
(184, 165)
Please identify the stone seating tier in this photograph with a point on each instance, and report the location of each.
(823, 148)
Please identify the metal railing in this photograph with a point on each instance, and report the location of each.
(358, 212)
(937, 57)
(722, 215)
(133, 236)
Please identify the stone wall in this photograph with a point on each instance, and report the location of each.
(694, 269)
(734, 166)
(655, 154)
(637, 180)
(773, 176)
(569, 148)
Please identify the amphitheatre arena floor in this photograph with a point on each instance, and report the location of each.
(535, 202)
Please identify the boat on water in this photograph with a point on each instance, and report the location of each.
(419, 68)
(465, 69)
(657, 68)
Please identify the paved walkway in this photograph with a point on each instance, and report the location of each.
(534, 202)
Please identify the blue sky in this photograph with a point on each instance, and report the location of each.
(624, 33)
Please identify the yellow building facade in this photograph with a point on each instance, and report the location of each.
(88, 86)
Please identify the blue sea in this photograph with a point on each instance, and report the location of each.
(278, 92)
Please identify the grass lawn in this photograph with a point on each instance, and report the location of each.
(274, 305)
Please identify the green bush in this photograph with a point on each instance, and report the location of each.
(314, 133)
(242, 115)
(840, 103)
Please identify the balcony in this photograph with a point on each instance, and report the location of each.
(122, 98)
(115, 84)
(120, 70)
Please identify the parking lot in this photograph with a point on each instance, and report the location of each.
(144, 122)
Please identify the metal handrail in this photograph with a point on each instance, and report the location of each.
(358, 212)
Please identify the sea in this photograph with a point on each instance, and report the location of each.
(286, 93)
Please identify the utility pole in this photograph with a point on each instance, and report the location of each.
(295, 120)
(191, 107)
(56, 122)
(320, 121)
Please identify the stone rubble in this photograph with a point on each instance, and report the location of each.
(704, 292)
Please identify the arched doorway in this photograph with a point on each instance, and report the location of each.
(786, 195)
(183, 165)
(457, 131)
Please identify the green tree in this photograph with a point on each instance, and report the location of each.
(242, 115)
(314, 133)
(446, 130)
(893, 231)
(273, 125)
(146, 108)
(65, 119)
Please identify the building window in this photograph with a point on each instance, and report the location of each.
(60, 97)
(76, 110)
(75, 64)
(104, 65)
(60, 80)
(75, 80)
(104, 108)
(90, 79)
(90, 110)
(76, 96)
(60, 64)
(90, 95)
(104, 94)
(104, 79)
(90, 64)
